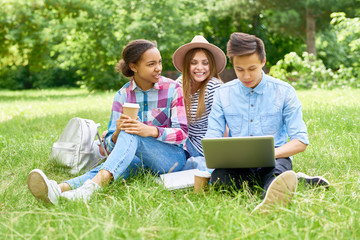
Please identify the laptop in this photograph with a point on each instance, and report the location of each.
(239, 152)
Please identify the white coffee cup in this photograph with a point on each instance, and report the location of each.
(201, 180)
(131, 109)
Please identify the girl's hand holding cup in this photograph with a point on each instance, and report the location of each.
(136, 127)
(129, 123)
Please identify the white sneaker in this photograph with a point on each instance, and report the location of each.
(313, 180)
(279, 192)
(82, 193)
(42, 188)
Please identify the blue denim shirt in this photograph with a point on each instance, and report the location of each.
(271, 108)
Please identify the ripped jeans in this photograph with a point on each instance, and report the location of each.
(132, 153)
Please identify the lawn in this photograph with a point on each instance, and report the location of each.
(31, 121)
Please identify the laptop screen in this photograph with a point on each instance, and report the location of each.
(239, 152)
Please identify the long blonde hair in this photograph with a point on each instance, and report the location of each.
(187, 80)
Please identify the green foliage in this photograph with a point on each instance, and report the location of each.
(301, 72)
(215, 32)
(309, 72)
(289, 17)
(278, 45)
(21, 77)
(170, 23)
(34, 47)
(86, 38)
(304, 19)
(342, 47)
(47, 43)
(251, 17)
(338, 64)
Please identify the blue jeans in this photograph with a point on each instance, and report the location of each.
(132, 153)
(196, 160)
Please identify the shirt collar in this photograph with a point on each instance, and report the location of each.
(259, 89)
(133, 85)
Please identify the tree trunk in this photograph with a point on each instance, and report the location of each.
(239, 27)
(310, 32)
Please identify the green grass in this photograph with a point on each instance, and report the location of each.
(30, 121)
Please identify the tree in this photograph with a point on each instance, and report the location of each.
(31, 33)
(340, 47)
(304, 18)
(170, 23)
(83, 39)
(296, 19)
(247, 16)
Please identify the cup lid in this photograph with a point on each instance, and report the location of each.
(131, 105)
(205, 174)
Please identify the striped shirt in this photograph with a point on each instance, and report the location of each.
(197, 129)
(162, 106)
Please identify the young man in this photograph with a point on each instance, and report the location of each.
(256, 104)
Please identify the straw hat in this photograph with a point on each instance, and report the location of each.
(199, 42)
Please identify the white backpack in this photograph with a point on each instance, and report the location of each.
(76, 148)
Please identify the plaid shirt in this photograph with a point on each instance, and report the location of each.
(162, 107)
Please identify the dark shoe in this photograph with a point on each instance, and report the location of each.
(316, 181)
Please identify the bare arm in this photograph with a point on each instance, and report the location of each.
(226, 133)
(289, 149)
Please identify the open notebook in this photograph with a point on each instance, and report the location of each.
(177, 180)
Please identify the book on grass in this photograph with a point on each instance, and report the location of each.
(177, 180)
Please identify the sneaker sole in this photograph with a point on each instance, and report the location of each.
(279, 192)
(37, 186)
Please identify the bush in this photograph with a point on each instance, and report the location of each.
(339, 47)
(301, 72)
(105, 80)
(309, 72)
(23, 77)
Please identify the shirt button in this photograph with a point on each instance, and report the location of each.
(146, 116)
(251, 135)
(252, 105)
(251, 120)
(145, 104)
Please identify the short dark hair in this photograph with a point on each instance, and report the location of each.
(242, 44)
(132, 54)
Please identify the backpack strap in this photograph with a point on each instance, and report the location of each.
(101, 142)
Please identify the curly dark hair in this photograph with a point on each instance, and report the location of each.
(132, 54)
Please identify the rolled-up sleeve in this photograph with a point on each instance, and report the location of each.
(293, 118)
(177, 133)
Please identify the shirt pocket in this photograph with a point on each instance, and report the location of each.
(160, 116)
(234, 122)
(271, 123)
